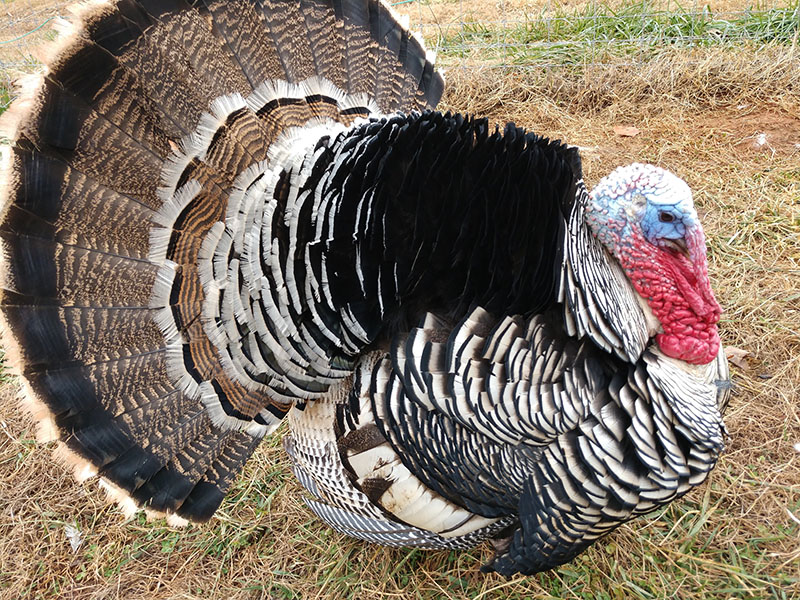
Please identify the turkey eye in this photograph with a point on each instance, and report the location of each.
(666, 217)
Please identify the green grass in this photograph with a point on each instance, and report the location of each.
(568, 36)
(5, 96)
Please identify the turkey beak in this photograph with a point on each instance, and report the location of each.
(680, 246)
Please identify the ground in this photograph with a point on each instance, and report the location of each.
(725, 121)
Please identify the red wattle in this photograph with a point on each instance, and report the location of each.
(679, 293)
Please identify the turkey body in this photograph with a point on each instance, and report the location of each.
(221, 214)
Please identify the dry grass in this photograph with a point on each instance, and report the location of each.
(677, 82)
(700, 114)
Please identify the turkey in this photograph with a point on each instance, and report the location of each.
(218, 215)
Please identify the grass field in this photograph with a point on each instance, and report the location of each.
(726, 117)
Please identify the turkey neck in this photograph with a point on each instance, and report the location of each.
(436, 212)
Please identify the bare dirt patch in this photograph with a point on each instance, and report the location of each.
(755, 130)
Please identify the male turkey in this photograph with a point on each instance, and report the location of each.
(219, 213)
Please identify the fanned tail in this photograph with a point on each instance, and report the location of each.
(125, 155)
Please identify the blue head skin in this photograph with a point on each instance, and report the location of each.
(642, 198)
(669, 218)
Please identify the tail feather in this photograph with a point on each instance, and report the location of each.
(152, 414)
(143, 446)
(54, 201)
(53, 336)
(75, 393)
(211, 488)
(168, 488)
(186, 45)
(290, 37)
(249, 39)
(118, 455)
(326, 37)
(430, 85)
(64, 127)
(414, 66)
(90, 72)
(421, 86)
(151, 472)
(71, 275)
(144, 47)
(394, 40)
(361, 49)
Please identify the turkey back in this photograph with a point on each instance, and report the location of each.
(125, 153)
